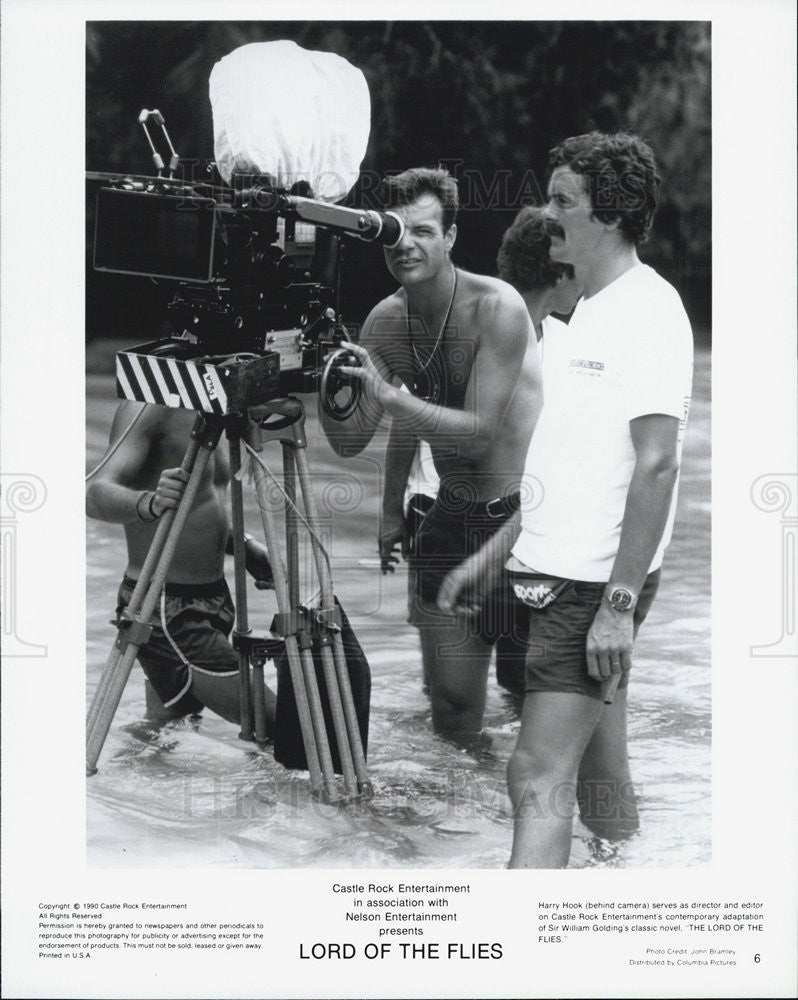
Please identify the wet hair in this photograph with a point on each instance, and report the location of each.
(523, 259)
(621, 176)
(405, 188)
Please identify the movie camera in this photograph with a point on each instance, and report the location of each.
(254, 317)
(255, 312)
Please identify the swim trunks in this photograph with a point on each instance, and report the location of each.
(418, 507)
(190, 633)
(453, 529)
(556, 658)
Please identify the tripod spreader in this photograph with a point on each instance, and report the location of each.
(131, 631)
(258, 647)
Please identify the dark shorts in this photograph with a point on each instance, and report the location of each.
(452, 529)
(557, 634)
(191, 627)
(417, 509)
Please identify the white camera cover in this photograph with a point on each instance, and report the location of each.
(291, 113)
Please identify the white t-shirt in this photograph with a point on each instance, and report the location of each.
(549, 323)
(423, 477)
(627, 352)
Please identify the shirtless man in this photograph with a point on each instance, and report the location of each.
(188, 661)
(411, 483)
(464, 346)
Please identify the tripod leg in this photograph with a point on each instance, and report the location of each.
(358, 756)
(102, 695)
(344, 715)
(311, 717)
(114, 685)
(338, 717)
(239, 562)
(259, 704)
(291, 531)
(293, 578)
(311, 714)
(164, 526)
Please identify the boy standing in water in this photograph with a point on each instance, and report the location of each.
(188, 660)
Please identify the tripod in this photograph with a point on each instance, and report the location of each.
(297, 627)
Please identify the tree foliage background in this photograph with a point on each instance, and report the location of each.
(488, 99)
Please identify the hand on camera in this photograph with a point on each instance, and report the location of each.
(372, 379)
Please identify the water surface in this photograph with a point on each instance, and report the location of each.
(192, 794)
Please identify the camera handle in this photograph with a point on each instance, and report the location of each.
(333, 381)
(174, 159)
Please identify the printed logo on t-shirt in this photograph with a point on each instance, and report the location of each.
(582, 366)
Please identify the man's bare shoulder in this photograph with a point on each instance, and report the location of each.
(490, 294)
(151, 421)
(391, 305)
(495, 311)
(132, 416)
(387, 316)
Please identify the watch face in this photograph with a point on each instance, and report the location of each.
(620, 599)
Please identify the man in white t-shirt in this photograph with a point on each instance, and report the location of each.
(606, 453)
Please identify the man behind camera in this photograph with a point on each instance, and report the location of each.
(410, 482)
(463, 345)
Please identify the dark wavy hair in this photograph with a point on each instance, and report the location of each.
(405, 188)
(621, 175)
(523, 259)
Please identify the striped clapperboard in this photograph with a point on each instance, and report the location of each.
(151, 375)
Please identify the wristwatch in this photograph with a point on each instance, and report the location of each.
(620, 599)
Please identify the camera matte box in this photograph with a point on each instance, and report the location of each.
(176, 375)
(156, 235)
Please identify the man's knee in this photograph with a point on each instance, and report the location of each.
(448, 698)
(539, 788)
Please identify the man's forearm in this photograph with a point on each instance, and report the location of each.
(398, 462)
(495, 553)
(645, 516)
(118, 504)
(462, 430)
(476, 576)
